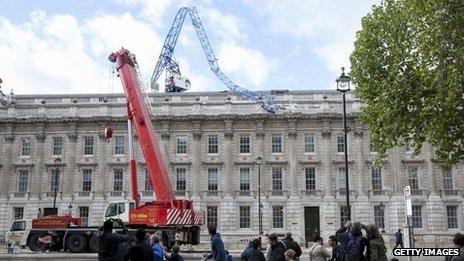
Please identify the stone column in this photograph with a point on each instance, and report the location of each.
(396, 170)
(196, 175)
(293, 164)
(36, 182)
(228, 135)
(358, 134)
(71, 170)
(7, 170)
(432, 186)
(102, 167)
(326, 162)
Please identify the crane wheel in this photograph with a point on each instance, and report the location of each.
(34, 244)
(93, 245)
(76, 243)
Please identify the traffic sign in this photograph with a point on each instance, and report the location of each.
(407, 191)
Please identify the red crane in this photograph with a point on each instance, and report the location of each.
(166, 210)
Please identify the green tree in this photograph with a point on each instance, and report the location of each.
(408, 68)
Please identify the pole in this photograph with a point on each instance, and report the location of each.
(260, 221)
(345, 131)
(55, 189)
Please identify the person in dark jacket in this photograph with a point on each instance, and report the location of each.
(175, 254)
(398, 239)
(376, 250)
(291, 244)
(247, 251)
(217, 246)
(342, 238)
(140, 250)
(356, 243)
(108, 242)
(277, 249)
(336, 249)
(256, 254)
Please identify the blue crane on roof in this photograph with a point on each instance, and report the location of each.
(176, 83)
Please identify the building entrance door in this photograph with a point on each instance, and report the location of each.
(312, 226)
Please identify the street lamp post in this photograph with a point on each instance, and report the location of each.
(55, 186)
(259, 161)
(343, 85)
(382, 208)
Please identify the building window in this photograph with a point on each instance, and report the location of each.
(26, 146)
(277, 179)
(18, 213)
(147, 181)
(310, 178)
(309, 143)
(87, 180)
(181, 179)
(245, 179)
(55, 180)
(376, 178)
(245, 216)
(277, 217)
(412, 178)
(84, 215)
(343, 215)
(57, 146)
(417, 216)
(447, 179)
(244, 144)
(341, 179)
(117, 182)
(119, 145)
(379, 217)
(213, 179)
(22, 180)
(212, 216)
(213, 144)
(88, 145)
(452, 214)
(181, 147)
(276, 143)
(341, 143)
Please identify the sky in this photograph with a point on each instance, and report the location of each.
(61, 47)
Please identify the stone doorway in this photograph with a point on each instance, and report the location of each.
(312, 223)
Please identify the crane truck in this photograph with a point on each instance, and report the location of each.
(167, 214)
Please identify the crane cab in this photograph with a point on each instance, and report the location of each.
(177, 83)
(19, 230)
(118, 210)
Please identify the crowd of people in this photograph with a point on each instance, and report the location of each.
(348, 244)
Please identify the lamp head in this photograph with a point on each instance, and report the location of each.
(57, 161)
(259, 160)
(343, 82)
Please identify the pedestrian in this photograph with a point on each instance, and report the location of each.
(246, 252)
(140, 250)
(317, 252)
(356, 244)
(175, 254)
(9, 248)
(458, 242)
(228, 256)
(342, 238)
(398, 239)
(157, 248)
(291, 244)
(376, 250)
(217, 246)
(109, 242)
(277, 250)
(290, 255)
(256, 254)
(336, 249)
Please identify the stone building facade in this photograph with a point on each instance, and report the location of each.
(210, 142)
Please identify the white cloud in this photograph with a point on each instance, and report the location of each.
(330, 26)
(246, 63)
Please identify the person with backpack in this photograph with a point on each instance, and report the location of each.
(356, 243)
(140, 250)
(376, 250)
(291, 244)
(317, 252)
(277, 248)
(217, 246)
(342, 237)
